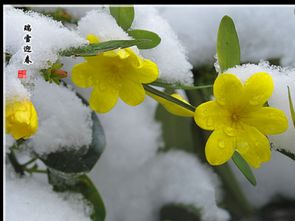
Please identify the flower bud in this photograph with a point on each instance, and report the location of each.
(21, 119)
(60, 73)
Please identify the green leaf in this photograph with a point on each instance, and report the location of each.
(151, 38)
(163, 84)
(228, 47)
(180, 212)
(291, 107)
(94, 49)
(81, 160)
(244, 168)
(79, 184)
(57, 65)
(124, 16)
(169, 97)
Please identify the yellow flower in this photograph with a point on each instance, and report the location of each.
(21, 119)
(172, 107)
(114, 74)
(239, 119)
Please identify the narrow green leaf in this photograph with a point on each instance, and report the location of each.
(124, 15)
(228, 47)
(94, 49)
(79, 184)
(152, 39)
(244, 168)
(169, 98)
(291, 107)
(180, 212)
(179, 86)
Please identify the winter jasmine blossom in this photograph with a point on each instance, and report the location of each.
(240, 120)
(114, 74)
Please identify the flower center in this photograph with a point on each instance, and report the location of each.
(114, 68)
(234, 117)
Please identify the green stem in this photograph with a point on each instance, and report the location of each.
(169, 98)
(180, 86)
(21, 168)
(15, 164)
(29, 162)
(33, 170)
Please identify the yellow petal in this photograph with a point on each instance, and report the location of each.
(120, 53)
(148, 72)
(132, 93)
(21, 119)
(258, 88)
(83, 74)
(92, 38)
(253, 146)
(228, 90)
(210, 115)
(135, 61)
(104, 99)
(267, 120)
(172, 107)
(219, 148)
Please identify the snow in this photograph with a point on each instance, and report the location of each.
(64, 122)
(32, 198)
(274, 180)
(9, 141)
(14, 90)
(173, 67)
(265, 32)
(169, 55)
(130, 170)
(47, 38)
(100, 23)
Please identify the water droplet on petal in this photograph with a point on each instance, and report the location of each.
(221, 144)
(243, 147)
(230, 131)
(255, 100)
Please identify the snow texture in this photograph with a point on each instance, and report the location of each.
(9, 141)
(169, 55)
(14, 89)
(130, 170)
(31, 198)
(282, 77)
(77, 11)
(275, 180)
(264, 32)
(64, 122)
(100, 23)
(173, 67)
(47, 38)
